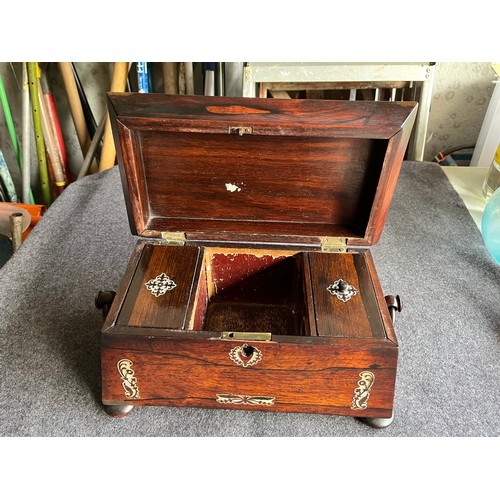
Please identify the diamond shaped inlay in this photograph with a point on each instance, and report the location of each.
(342, 290)
(160, 285)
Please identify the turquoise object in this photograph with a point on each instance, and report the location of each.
(490, 225)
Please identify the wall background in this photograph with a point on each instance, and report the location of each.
(461, 95)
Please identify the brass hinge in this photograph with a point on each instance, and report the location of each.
(174, 238)
(333, 244)
(246, 335)
(240, 130)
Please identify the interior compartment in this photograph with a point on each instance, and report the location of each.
(243, 291)
(281, 292)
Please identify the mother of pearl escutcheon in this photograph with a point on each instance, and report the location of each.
(342, 290)
(160, 285)
(245, 355)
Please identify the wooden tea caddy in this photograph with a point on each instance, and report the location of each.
(253, 286)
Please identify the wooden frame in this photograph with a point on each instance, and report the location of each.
(262, 78)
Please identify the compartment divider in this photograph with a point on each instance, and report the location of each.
(198, 300)
(310, 317)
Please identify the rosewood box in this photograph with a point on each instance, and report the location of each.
(252, 285)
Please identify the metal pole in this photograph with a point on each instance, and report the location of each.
(234, 79)
(188, 68)
(93, 147)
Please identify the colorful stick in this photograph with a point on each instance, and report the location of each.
(142, 77)
(55, 191)
(7, 179)
(188, 69)
(209, 70)
(118, 84)
(87, 111)
(151, 79)
(170, 78)
(55, 125)
(51, 107)
(219, 78)
(93, 148)
(182, 78)
(16, 229)
(26, 131)
(76, 109)
(12, 133)
(3, 196)
(75, 105)
(50, 142)
(10, 123)
(37, 121)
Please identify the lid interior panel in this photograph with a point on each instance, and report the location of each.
(258, 170)
(230, 182)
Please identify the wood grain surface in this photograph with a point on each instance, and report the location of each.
(335, 318)
(245, 174)
(252, 178)
(305, 168)
(175, 366)
(318, 379)
(310, 117)
(141, 307)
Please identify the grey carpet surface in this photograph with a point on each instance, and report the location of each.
(431, 253)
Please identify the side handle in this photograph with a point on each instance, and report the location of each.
(395, 304)
(103, 301)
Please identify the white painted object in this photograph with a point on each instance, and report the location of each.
(232, 188)
(489, 136)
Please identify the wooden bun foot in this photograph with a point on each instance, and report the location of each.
(118, 411)
(378, 423)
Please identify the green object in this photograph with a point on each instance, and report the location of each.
(10, 123)
(37, 122)
(12, 130)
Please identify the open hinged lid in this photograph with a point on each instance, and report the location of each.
(252, 170)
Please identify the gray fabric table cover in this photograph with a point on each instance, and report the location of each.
(431, 253)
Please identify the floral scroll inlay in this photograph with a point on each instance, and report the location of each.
(129, 381)
(362, 392)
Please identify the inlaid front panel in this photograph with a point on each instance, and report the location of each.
(251, 375)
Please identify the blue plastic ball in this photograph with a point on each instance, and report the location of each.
(490, 225)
